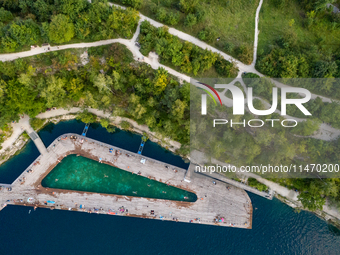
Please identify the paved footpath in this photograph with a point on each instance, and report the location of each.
(326, 132)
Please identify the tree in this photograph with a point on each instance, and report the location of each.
(104, 122)
(74, 87)
(60, 29)
(161, 80)
(19, 33)
(324, 69)
(312, 201)
(86, 117)
(5, 15)
(2, 90)
(178, 109)
(73, 8)
(42, 10)
(54, 91)
(103, 83)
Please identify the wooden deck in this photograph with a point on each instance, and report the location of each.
(214, 202)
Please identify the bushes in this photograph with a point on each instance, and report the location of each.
(307, 127)
(5, 15)
(78, 18)
(104, 122)
(125, 125)
(172, 18)
(36, 123)
(244, 54)
(190, 20)
(161, 14)
(87, 117)
(225, 68)
(252, 182)
(60, 30)
(188, 6)
(152, 98)
(262, 87)
(133, 3)
(207, 35)
(19, 33)
(187, 56)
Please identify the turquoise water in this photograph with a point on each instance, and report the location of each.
(83, 174)
(277, 228)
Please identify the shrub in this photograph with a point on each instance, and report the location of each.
(36, 123)
(104, 122)
(244, 54)
(229, 47)
(125, 125)
(161, 14)
(188, 6)
(252, 182)
(111, 129)
(87, 117)
(190, 20)
(207, 34)
(172, 18)
(60, 29)
(224, 67)
(133, 3)
(200, 14)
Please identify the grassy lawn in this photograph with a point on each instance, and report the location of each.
(233, 21)
(276, 22)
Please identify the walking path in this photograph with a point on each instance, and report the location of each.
(292, 196)
(326, 132)
(256, 36)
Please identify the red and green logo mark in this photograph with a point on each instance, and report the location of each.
(213, 90)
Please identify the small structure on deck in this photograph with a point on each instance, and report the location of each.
(141, 147)
(86, 128)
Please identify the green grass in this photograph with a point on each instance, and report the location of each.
(275, 22)
(233, 21)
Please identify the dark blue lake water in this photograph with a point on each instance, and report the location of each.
(277, 228)
(10, 170)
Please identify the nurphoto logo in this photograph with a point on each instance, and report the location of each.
(239, 102)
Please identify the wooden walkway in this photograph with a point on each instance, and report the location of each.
(36, 139)
(216, 205)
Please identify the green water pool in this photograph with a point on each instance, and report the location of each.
(83, 174)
